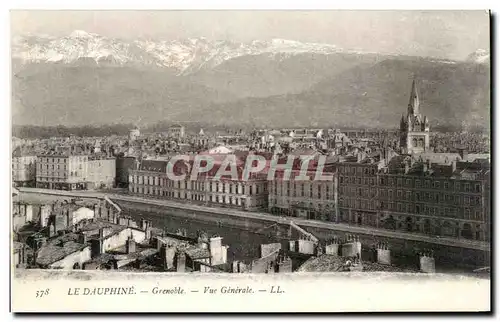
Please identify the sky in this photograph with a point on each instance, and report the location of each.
(444, 34)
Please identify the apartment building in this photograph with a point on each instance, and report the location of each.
(65, 171)
(151, 180)
(62, 171)
(305, 198)
(405, 194)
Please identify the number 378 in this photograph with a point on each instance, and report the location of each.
(41, 293)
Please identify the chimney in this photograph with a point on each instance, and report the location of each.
(130, 246)
(383, 254)
(429, 164)
(216, 251)
(82, 238)
(167, 255)
(453, 166)
(68, 222)
(97, 247)
(181, 262)
(463, 153)
(427, 262)
(407, 168)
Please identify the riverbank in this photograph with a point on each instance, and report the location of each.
(227, 212)
(450, 254)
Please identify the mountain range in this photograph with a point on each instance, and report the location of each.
(85, 78)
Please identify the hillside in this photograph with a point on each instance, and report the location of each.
(82, 93)
(376, 96)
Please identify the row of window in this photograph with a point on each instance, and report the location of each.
(62, 160)
(47, 174)
(317, 206)
(357, 180)
(297, 189)
(465, 213)
(224, 199)
(457, 186)
(357, 170)
(434, 197)
(232, 188)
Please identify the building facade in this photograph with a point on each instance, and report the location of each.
(177, 131)
(75, 171)
(311, 199)
(151, 180)
(62, 171)
(358, 192)
(439, 200)
(101, 173)
(24, 170)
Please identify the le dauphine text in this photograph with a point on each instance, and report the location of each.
(177, 290)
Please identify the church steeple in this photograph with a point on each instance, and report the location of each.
(414, 104)
(415, 127)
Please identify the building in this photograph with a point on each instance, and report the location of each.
(24, 170)
(123, 166)
(151, 180)
(357, 190)
(445, 200)
(101, 172)
(414, 128)
(414, 195)
(134, 134)
(62, 171)
(177, 131)
(305, 198)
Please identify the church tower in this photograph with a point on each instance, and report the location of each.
(414, 128)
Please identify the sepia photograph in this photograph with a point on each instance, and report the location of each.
(186, 158)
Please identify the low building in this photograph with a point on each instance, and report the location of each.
(23, 169)
(101, 172)
(123, 166)
(151, 180)
(176, 130)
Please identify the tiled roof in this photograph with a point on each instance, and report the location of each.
(197, 252)
(54, 251)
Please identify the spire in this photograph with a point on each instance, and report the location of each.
(414, 104)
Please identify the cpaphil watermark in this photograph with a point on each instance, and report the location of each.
(298, 168)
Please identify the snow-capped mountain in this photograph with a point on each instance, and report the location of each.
(480, 56)
(185, 56)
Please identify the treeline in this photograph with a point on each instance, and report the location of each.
(33, 131)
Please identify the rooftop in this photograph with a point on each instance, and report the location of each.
(58, 248)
